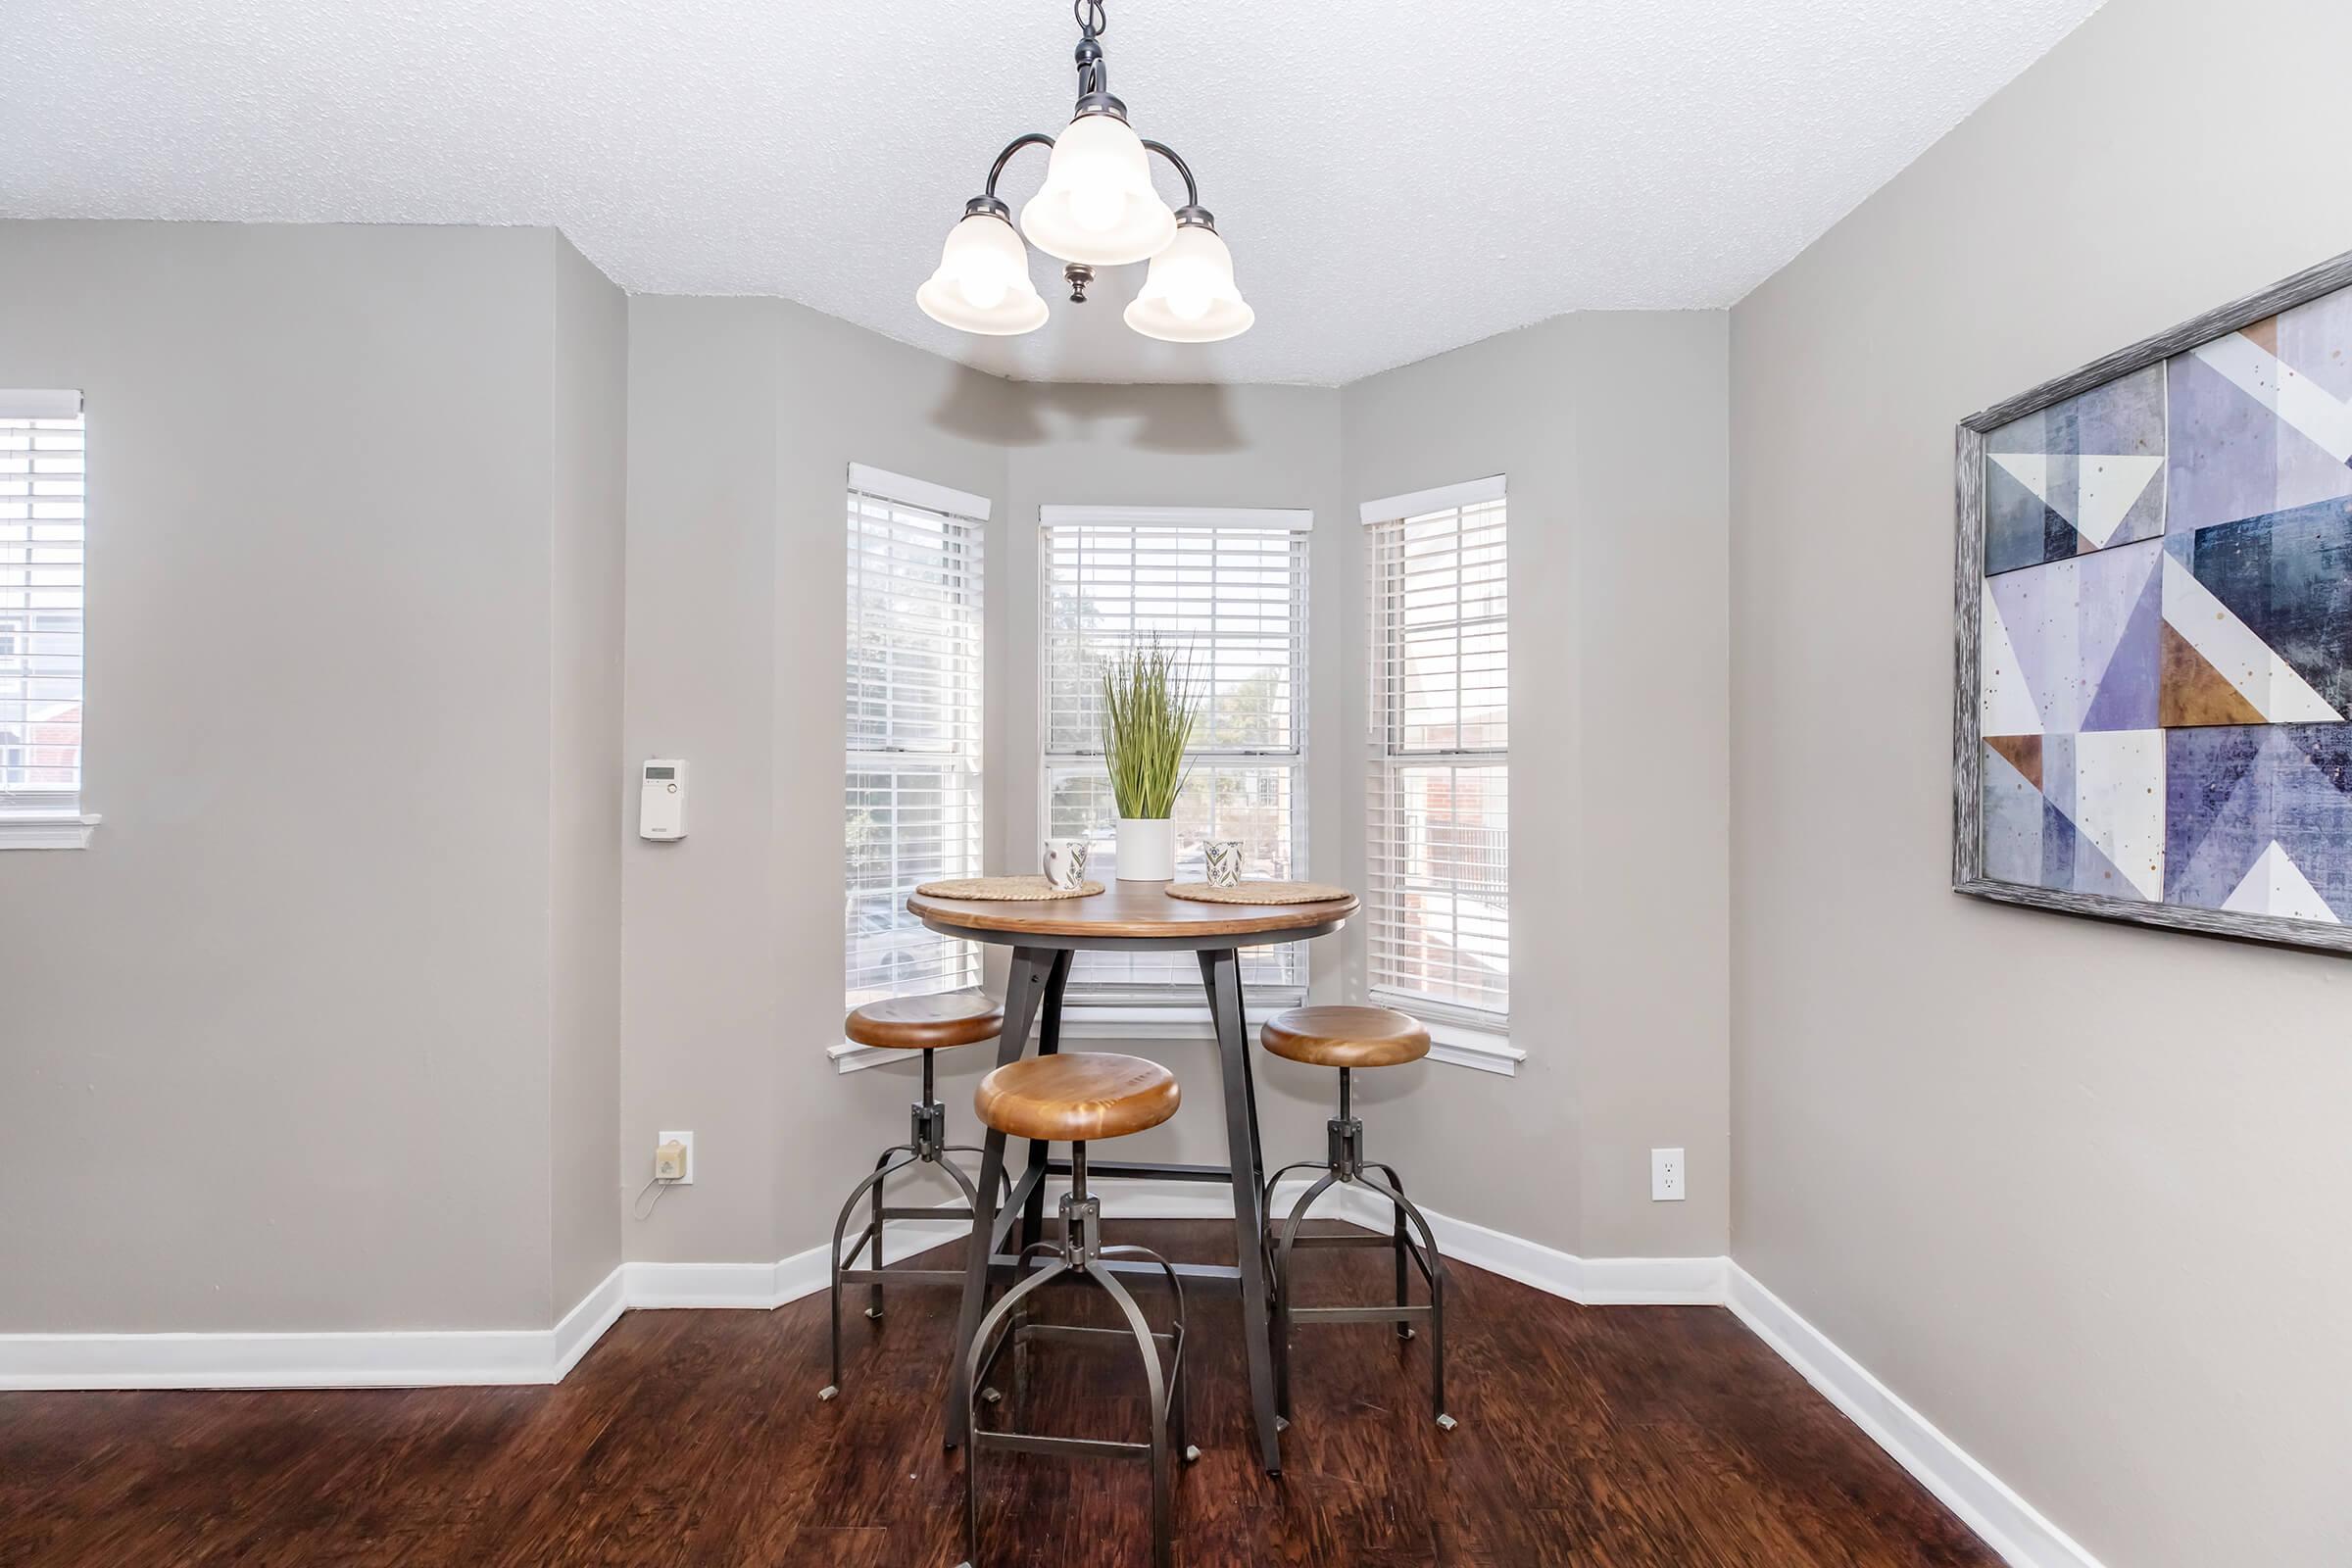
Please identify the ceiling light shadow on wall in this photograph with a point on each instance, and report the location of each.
(1182, 418)
(1188, 420)
(980, 407)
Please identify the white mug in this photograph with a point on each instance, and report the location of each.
(1224, 857)
(1065, 863)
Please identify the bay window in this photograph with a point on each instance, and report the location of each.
(912, 795)
(1436, 902)
(1225, 591)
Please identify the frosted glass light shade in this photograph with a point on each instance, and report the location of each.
(1098, 205)
(1189, 294)
(982, 284)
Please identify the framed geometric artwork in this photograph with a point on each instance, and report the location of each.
(2153, 705)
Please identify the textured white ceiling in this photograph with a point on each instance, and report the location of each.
(1397, 178)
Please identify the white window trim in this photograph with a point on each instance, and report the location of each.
(1413, 503)
(1461, 1045)
(1180, 1017)
(956, 506)
(850, 1057)
(912, 492)
(47, 830)
(1085, 1024)
(1484, 1046)
(38, 403)
(1455, 1045)
(1297, 522)
(23, 824)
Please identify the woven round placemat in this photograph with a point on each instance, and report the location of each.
(1004, 889)
(1257, 893)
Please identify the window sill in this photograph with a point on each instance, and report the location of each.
(1455, 1045)
(1481, 1049)
(1082, 1023)
(850, 1057)
(47, 830)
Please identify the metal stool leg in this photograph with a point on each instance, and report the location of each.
(1081, 1257)
(1282, 1290)
(1158, 1384)
(1176, 1373)
(976, 1362)
(884, 1169)
(1004, 1177)
(1400, 1243)
(926, 1144)
(1346, 1162)
(873, 1293)
(1276, 1290)
(1435, 1268)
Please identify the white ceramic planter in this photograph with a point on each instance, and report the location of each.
(1146, 848)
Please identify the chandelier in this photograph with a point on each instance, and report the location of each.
(1097, 209)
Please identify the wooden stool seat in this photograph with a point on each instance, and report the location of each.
(1346, 1037)
(1077, 1096)
(925, 1023)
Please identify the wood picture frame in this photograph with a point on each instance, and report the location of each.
(1969, 494)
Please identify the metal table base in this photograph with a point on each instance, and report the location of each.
(1033, 995)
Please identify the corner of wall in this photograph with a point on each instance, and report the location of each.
(588, 396)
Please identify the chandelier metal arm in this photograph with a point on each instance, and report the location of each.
(1035, 138)
(1106, 210)
(1192, 215)
(1192, 188)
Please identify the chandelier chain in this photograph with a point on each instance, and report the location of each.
(1089, 17)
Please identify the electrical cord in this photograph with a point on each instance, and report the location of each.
(660, 1186)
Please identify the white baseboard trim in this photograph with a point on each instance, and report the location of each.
(1987, 1506)
(1588, 1281)
(396, 1359)
(419, 1358)
(760, 1287)
(585, 1324)
(2005, 1521)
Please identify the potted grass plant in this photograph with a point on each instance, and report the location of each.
(1147, 713)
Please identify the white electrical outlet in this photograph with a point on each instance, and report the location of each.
(685, 1176)
(1666, 1175)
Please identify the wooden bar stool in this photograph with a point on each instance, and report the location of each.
(1072, 1098)
(908, 1023)
(1349, 1038)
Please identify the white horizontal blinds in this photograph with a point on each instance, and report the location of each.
(912, 795)
(1439, 785)
(42, 499)
(1228, 595)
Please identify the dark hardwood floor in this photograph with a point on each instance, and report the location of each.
(1613, 1438)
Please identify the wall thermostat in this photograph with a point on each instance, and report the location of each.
(661, 803)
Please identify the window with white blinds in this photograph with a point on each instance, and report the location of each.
(1226, 592)
(912, 794)
(41, 491)
(1437, 861)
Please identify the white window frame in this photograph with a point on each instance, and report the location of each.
(968, 514)
(1177, 1008)
(1460, 1033)
(48, 817)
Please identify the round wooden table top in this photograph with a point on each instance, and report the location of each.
(1127, 912)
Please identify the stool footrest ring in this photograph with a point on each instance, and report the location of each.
(1411, 1239)
(1007, 1323)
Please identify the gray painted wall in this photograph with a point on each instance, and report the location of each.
(731, 957)
(589, 395)
(2076, 1190)
(732, 942)
(1612, 431)
(744, 417)
(278, 1049)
